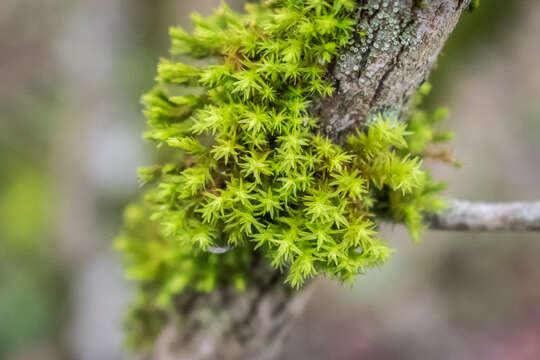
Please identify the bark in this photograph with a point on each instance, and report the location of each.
(469, 216)
(227, 324)
(394, 50)
(378, 73)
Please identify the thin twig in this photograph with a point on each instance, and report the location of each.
(481, 216)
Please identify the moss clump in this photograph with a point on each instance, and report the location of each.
(252, 175)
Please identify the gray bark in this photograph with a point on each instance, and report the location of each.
(228, 324)
(394, 50)
(379, 72)
(470, 216)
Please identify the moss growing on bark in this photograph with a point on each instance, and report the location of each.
(253, 177)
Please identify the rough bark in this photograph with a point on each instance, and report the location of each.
(394, 49)
(227, 324)
(470, 216)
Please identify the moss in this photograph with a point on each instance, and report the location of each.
(255, 177)
(474, 5)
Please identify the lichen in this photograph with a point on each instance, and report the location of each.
(378, 31)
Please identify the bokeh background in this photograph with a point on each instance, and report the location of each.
(71, 73)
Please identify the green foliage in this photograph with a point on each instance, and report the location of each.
(254, 175)
(474, 5)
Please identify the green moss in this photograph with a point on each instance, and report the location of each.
(474, 5)
(254, 176)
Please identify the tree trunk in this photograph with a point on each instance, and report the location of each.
(227, 324)
(395, 47)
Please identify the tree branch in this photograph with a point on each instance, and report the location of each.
(480, 216)
(395, 47)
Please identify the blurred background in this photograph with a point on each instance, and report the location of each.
(71, 73)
